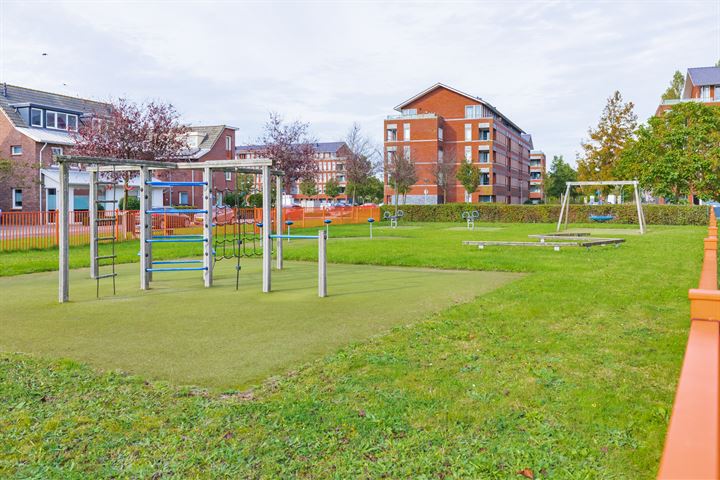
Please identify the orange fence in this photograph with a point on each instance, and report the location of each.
(28, 230)
(693, 437)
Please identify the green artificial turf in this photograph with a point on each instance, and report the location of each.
(568, 372)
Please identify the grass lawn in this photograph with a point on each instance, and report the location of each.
(568, 371)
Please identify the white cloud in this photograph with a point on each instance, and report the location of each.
(548, 65)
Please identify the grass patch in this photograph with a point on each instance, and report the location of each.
(569, 371)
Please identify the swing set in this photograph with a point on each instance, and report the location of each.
(601, 218)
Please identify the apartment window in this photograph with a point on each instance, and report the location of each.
(534, 162)
(340, 178)
(183, 198)
(56, 150)
(228, 176)
(483, 157)
(441, 156)
(473, 111)
(409, 111)
(36, 117)
(17, 198)
(61, 121)
(72, 122)
(468, 154)
(340, 167)
(705, 92)
(440, 131)
(228, 143)
(484, 134)
(392, 134)
(536, 175)
(16, 150)
(468, 132)
(717, 92)
(406, 153)
(486, 198)
(406, 132)
(484, 179)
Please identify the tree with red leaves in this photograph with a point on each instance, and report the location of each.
(291, 149)
(149, 131)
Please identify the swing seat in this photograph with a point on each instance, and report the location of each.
(601, 218)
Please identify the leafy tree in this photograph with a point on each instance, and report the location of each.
(359, 166)
(678, 153)
(401, 173)
(332, 188)
(469, 176)
(308, 187)
(150, 131)
(373, 190)
(443, 171)
(676, 85)
(290, 148)
(130, 203)
(557, 177)
(602, 150)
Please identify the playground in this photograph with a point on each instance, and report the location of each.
(427, 358)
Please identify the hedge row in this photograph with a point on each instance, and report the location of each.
(494, 212)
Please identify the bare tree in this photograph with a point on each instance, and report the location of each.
(443, 171)
(150, 131)
(361, 164)
(401, 174)
(291, 149)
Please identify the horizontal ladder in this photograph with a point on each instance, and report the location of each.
(175, 269)
(175, 184)
(174, 210)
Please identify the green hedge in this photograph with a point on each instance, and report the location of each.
(494, 212)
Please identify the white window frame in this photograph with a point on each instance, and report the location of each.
(392, 135)
(56, 150)
(487, 156)
(469, 111)
(228, 143)
(47, 121)
(16, 150)
(440, 133)
(41, 117)
(486, 132)
(468, 154)
(717, 92)
(468, 132)
(15, 206)
(406, 152)
(406, 132)
(228, 176)
(77, 122)
(409, 111)
(705, 92)
(180, 198)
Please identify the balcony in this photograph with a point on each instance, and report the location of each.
(419, 116)
(675, 101)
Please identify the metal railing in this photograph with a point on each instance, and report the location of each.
(675, 101)
(37, 230)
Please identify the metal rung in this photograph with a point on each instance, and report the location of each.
(176, 269)
(100, 239)
(107, 201)
(104, 257)
(106, 219)
(175, 184)
(175, 262)
(106, 183)
(106, 275)
(175, 210)
(179, 240)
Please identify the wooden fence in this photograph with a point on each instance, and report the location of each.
(693, 436)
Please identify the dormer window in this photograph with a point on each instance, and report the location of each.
(36, 117)
(61, 121)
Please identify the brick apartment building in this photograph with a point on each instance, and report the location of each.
(702, 84)
(330, 158)
(35, 125)
(537, 176)
(441, 125)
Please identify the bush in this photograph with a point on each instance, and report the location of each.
(579, 213)
(133, 203)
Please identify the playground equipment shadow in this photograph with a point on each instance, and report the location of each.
(219, 337)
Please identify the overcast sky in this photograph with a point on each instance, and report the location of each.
(549, 66)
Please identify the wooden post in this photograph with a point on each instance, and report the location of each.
(93, 208)
(207, 227)
(278, 223)
(63, 238)
(145, 230)
(267, 229)
(322, 264)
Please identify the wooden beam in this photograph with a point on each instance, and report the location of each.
(602, 183)
(113, 161)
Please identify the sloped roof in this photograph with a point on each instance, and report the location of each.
(14, 95)
(42, 135)
(466, 95)
(212, 134)
(702, 76)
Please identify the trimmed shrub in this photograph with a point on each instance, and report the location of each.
(579, 213)
(133, 203)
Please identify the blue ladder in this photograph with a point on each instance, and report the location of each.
(175, 184)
